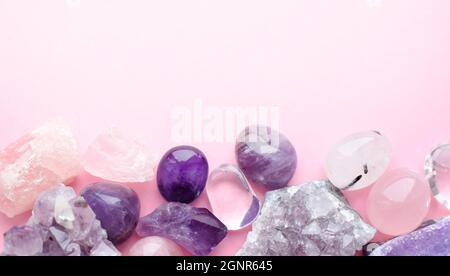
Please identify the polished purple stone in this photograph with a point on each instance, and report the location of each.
(266, 157)
(432, 240)
(117, 207)
(182, 174)
(196, 229)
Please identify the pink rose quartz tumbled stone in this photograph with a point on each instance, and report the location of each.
(39, 160)
(399, 202)
(155, 246)
(114, 157)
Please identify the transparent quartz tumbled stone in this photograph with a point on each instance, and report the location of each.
(231, 198)
(437, 171)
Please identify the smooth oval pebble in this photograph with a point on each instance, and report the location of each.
(399, 202)
(437, 168)
(182, 174)
(231, 198)
(266, 157)
(441, 156)
(359, 160)
(117, 207)
(155, 246)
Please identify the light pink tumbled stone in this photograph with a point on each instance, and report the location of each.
(155, 246)
(114, 157)
(399, 202)
(39, 160)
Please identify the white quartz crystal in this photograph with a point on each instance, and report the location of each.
(358, 161)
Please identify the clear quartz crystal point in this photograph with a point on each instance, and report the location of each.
(231, 198)
(437, 166)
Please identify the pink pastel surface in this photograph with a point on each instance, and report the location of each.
(332, 67)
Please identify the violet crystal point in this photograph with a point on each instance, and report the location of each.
(311, 219)
(117, 207)
(182, 174)
(62, 224)
(266, 157)
(195, 229)
(432, 240)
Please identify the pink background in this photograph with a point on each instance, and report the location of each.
(333, 68)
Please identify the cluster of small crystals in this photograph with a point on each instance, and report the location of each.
(62, 224)
(432, 240)
(307, 220)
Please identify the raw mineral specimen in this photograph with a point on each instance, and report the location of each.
(62, 224)
(266, 156)
(307, 220)
(39, 160)
(196, 229)
(116, 206)
(182, 174)
(432, 240)
(114, 157)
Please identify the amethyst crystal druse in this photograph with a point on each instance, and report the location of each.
(117, 207)
(195, 229)
(431, 240)
(182, 174)
(266, 157)
(312, 219)
(61, 224)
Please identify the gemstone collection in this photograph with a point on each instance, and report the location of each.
(311, 219)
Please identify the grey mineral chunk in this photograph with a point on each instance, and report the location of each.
(307, 220)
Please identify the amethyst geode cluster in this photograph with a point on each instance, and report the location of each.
(62, 224)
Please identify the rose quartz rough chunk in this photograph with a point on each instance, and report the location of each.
(39, 160)
(114, 157)
(155, 246)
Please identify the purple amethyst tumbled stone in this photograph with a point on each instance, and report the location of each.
(117, 207)
(266, 157)
(195, 229)
(182, 174)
